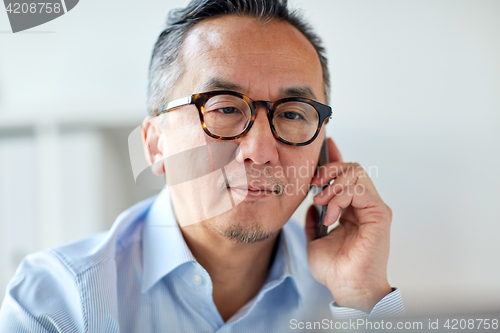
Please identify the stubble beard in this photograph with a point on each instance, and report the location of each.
(241, 234)
(238, 232)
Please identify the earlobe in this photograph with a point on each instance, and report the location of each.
(152, 151)
(158, 167)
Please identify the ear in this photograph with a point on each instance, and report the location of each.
(333, 151)
(151, 133)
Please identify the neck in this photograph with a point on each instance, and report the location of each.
(238, 270)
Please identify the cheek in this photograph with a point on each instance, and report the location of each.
(298, 172)
(182, 131)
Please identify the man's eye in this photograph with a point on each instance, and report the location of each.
(225, 110)
(228, 110)
(291, 115)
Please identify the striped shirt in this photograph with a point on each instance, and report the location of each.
(141, 277)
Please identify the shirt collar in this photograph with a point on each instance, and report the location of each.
(164, 248)
(289, 261)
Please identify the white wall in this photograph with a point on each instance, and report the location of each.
(415, 93)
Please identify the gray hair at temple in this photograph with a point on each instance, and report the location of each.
(166, 67)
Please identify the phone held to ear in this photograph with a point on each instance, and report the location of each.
(321, 229)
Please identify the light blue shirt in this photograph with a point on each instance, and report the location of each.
(141, 277)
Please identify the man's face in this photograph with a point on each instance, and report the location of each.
(264, 61)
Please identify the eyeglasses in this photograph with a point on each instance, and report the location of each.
(228, 115)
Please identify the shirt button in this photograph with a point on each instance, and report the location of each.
(197, 279)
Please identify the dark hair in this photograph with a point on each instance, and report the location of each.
(166, 66)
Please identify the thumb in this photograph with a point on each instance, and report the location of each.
(312, 218)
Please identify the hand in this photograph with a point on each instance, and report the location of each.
(352, 259)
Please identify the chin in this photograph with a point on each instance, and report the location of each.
(243, 226)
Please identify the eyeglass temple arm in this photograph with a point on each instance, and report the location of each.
(176, 103)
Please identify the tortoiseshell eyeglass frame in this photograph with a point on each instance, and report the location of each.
(324, 112)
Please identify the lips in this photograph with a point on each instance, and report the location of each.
(253, 189)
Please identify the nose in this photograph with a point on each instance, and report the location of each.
(259, 145)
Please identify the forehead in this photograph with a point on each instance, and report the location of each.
(258, 57)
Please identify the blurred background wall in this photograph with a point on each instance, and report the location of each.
(416, 99)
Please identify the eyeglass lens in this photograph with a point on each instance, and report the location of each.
(228, 116)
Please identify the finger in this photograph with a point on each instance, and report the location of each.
(333, 170)
(369, 206)
(335, 206)
(337, 187)
(333, 152)
(312, 219)
(358, 177)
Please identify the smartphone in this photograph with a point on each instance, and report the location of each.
(321, 229)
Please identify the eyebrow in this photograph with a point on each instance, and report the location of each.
(298, 91)
(217, 83)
